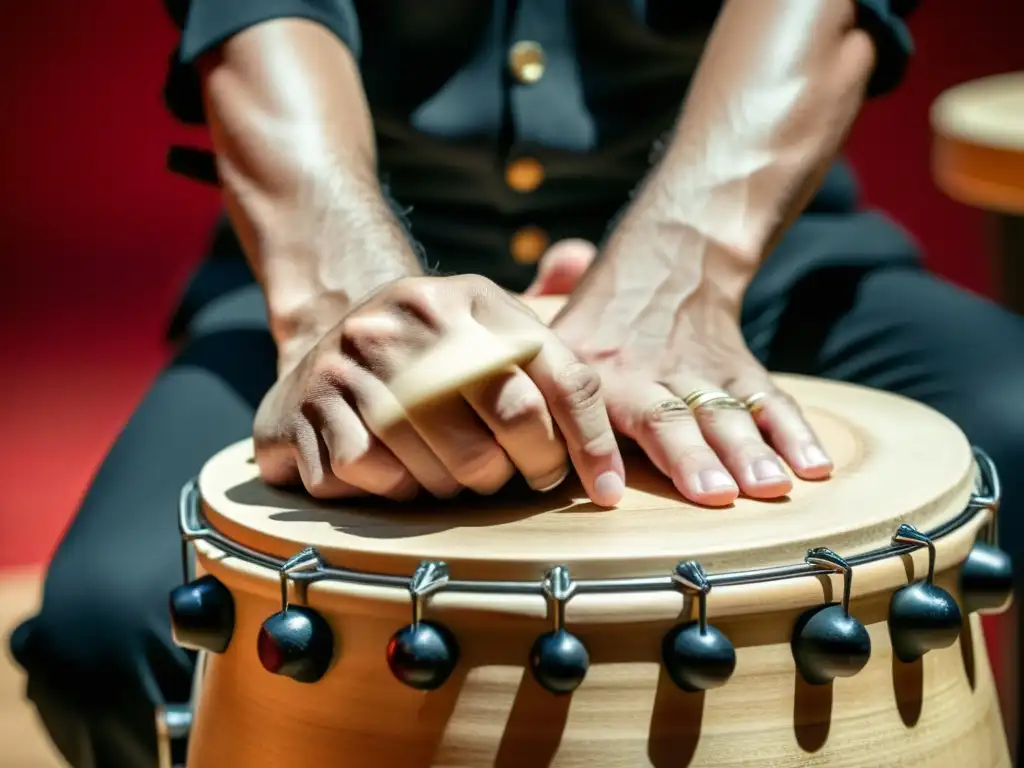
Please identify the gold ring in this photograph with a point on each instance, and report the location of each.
(719, 398)
(755, 403)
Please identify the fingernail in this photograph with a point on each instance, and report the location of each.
(815, 457)
(551, 481)
(608, 488)
(767, 470)
(715, 480)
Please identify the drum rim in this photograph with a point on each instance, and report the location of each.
(955, 113)
(193, 527)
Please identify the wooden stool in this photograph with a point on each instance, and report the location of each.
(978, 159)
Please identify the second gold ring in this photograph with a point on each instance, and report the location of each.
(712, 398)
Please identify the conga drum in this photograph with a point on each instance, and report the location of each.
(837, 627)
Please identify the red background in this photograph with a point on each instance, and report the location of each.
(97, 238)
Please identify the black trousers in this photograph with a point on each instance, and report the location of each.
(99, 654)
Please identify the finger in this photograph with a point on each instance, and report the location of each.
(732, 434)
(668, 433)
(572, 391)
(512, 406)
(371, 398)
(561, 267)
(360, 459)
(313, 462)
(779, 417)
(464, 445)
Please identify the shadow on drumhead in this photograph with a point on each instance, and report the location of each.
(377, 518)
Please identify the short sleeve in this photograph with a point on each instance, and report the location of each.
(885, 21)
(205, 24)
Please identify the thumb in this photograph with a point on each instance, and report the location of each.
(561, 267)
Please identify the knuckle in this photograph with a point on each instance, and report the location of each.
(367, 336)
(274, 461)
(318, 388)
(579, 387)
(782, 398)
(515, 402)
(523, 411)
(656, 418)
(751, 449)
(482, 463)
(416, 296)
(349, 459)
(694, 455)
(600, 445)
(477, 283)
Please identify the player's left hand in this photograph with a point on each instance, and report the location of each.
(680, 381)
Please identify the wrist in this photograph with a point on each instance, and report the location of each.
(323, 254)
(708, 212)
(299, 319)
(665, 246)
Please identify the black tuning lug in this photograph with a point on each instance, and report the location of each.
(922, 616)
(202, 615)
(827, 641)
(423, 654)
(696, 655)
(559, 660)
(296, 642)
(986, 580)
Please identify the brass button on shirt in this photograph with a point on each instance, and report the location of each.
(499, 117)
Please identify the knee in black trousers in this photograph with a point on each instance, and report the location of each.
(99, 655)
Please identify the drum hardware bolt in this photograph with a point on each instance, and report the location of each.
(202, 610)
(986, 580)
(202, 615)
(922, 616)
(296, 642)
(827, 641)
(423, 654)
(697, 656)
(986, 576)
(559, 660)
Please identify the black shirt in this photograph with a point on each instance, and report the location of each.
(505, 124)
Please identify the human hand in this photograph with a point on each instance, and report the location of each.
(652, 349)
(323, 423)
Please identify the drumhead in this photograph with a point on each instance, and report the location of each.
(895, 461)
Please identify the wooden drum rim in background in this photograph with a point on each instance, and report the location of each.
(978, 150)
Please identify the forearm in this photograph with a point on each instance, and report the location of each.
(777, 91)
(297, 162)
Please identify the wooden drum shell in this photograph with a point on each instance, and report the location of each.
(940, 711)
